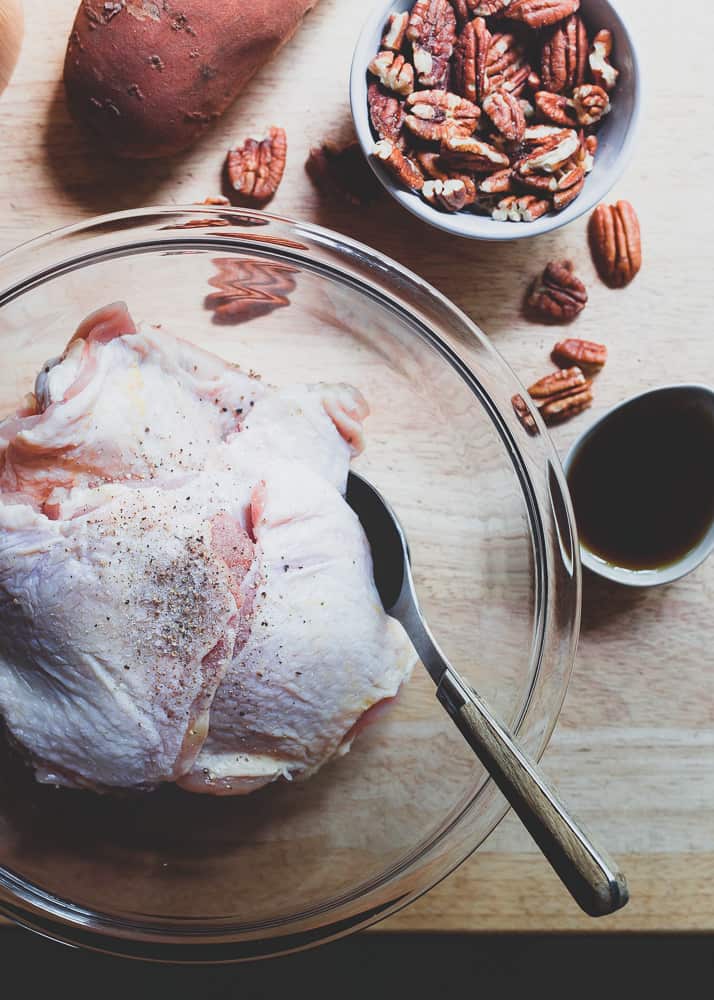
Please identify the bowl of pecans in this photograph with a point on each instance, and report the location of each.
(478, 114)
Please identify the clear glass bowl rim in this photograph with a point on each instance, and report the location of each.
(322, 251)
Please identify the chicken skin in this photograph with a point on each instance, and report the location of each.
(185, 594)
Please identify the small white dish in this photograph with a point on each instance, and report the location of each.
(616, 135)
(702, 396)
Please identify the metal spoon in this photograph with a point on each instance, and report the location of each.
(592, 878)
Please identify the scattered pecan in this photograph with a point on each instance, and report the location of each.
(583, 353)
(507, 67)
(215, 199)
(564, 56)
(591, 103)
(558, 296)
(452, 194)
(475, 155)
(566, 406)
(342, 171)
(556, 108)
(524, 208)
(557, 383)
(506, 114)
(248, 288)
(541, 13)
(499, 183)
(386, 112)
(395, 31)
(522, 411)
(394, 72)
(434, 114)
(603, 72)
(255, 169)
(615, 243)
(432, 32)
(399, 165)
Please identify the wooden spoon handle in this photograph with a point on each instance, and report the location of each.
(591, 877)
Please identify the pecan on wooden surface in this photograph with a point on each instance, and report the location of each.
(615, 243)
(520, 408)
(561, 394)
(432, 32)
(584, 353)
(558, 295)
(248, 288)
(256, 168)
(558, 382)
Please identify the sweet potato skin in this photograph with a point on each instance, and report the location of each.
(149, 76)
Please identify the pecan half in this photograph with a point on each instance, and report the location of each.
(485, 8)
(499, 183)
(472, 154)
(470, 58)
(386, 112)
(591, 103)
(584, 353)
(541, 13)
(615, 243)
(432, 32)
(566, 406)
(551, 154)
(395, 31)
(399, 165)
(563, 196)
(604, 73)
(556, 383)
(431, 166)
(248, 288)
(215, 199)
(256, 168)
(506, 114)
(585, 156)
(558, 296)
(434, 114)
(343, 171)
(524, 208)
(394, 72)
(556, 108)
(564, 56)
(507, 66)
(452, 194)
(520, 408)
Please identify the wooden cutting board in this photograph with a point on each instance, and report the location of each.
(633, 753)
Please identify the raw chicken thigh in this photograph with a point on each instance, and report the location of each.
(185, 595)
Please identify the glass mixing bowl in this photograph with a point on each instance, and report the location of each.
(174, 876)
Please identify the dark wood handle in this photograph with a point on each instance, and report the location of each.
(592, 878)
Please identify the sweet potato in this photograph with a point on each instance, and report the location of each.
(149, 76)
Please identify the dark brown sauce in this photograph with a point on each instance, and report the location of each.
(643, 483)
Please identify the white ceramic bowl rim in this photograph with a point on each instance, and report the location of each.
(643, 577)
(468, 224)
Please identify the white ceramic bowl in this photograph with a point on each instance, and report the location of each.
(616, 135)
(702, 396)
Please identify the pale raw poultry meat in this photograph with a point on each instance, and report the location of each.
(185, 594)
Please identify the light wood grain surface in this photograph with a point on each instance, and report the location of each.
(633, 753)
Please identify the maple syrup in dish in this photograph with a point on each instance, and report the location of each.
(642, 482)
